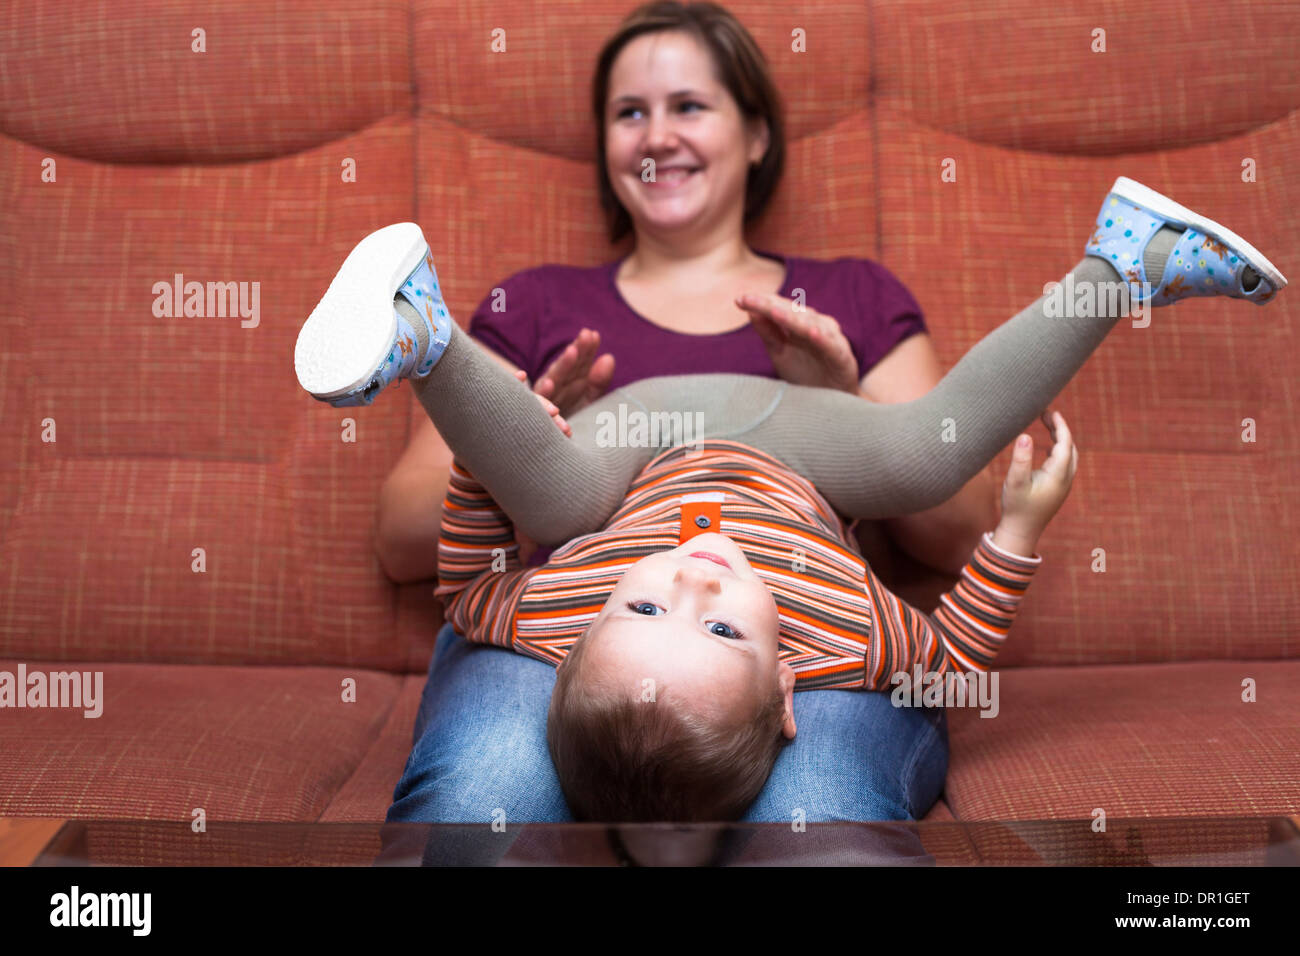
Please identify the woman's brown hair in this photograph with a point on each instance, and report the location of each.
(741, 68)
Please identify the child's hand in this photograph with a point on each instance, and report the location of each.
(1030, 498)
(547, 404)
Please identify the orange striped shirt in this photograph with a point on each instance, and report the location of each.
(840, 627)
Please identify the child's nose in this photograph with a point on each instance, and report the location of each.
(700, 579)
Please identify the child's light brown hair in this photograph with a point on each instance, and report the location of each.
(621, 759)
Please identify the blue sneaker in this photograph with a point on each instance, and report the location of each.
(355, 343)
(1207, 260)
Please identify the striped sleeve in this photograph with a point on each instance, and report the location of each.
(964, 633)
(480, 578)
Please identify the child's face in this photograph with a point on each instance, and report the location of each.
(710, 628)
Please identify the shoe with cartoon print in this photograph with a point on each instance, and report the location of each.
(357, 342)
(1208, 259)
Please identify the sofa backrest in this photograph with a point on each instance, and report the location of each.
(196, 505)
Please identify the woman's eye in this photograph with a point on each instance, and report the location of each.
(643, 607)
(633, 109)
(725, 630)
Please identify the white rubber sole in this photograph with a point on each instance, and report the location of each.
(350, 332)
(1162, 205)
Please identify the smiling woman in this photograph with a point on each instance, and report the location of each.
(683, 92)
(689, 150)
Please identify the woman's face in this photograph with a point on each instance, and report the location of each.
(666, 105)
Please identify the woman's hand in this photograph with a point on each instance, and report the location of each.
(806, 346)
(1030, 498)
(577, 377)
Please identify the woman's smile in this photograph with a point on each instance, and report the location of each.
(672, 178)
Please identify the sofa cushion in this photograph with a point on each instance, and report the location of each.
(123, 85)
(368, 793)
(225, 166)
(186, 432)
(519, 73)
(1014, 74)
(1167, 740)
(1196, 525)
(242, 743)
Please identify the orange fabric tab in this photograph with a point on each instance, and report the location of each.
(700, 516)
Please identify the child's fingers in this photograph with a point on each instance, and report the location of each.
(1059, 463)
(1022, 461)
(551, 408)
(554, 412)
(1049, 420)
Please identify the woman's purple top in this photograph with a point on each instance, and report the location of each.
(545, 307)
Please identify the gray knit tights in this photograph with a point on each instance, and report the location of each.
(868, 460)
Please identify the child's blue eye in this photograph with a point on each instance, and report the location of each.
(727, 630)
(650, 609)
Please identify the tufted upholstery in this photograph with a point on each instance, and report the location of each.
(182, 433)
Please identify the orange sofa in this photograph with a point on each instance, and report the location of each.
(200, 532)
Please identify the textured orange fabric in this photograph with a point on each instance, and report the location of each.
(242, 743)
(124, 84)
(182, 433)
(1160, 740)
(1198, 528)
(369, 790)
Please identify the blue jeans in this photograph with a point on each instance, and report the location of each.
(480, 749)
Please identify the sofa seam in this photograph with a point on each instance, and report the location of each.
(395, 591)
(912, 117)
(381, 725)
(872, 129)
(415, 112)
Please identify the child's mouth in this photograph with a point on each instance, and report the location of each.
(710, 556)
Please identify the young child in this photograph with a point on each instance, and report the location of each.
(701, 585)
